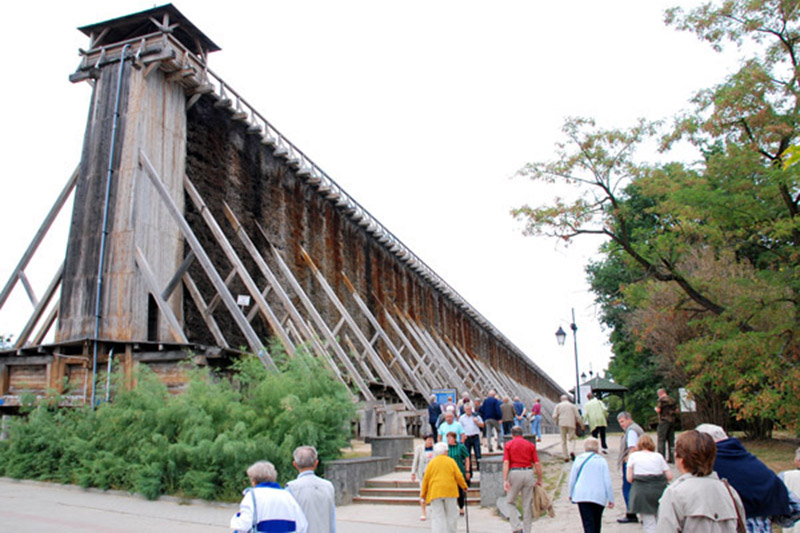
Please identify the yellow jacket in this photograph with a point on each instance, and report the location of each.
(442, 479)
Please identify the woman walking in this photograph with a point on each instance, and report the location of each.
(422, 455)
(440, 490)
(699, 500)
(590, 486)
(649, 474)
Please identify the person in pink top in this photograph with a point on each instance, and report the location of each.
(536, 419)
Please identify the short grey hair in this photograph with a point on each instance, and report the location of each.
(564, 397)
(305, 456)
(624, 415)
(440, 448)
(797, 454)
(516, 431)
(591, 444)
(262, 472)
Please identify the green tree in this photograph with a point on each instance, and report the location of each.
(709, 254)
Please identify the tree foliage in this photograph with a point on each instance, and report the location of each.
(196, 444)
(701, 271)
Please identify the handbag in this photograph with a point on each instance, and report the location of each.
(579, 431)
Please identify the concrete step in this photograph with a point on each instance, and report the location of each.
(403, 484)
(404, 492)
(400, 500)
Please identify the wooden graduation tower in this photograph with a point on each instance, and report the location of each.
(199, 230)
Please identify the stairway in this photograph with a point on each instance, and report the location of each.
(397, 488)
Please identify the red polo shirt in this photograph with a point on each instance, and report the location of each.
(520, 453)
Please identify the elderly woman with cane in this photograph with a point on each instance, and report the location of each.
(440, 490)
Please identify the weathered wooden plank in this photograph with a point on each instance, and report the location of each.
(322, 327)
(178, 276)
(48, 322)
(37, 239)
(241, 270)
(426, 374)
(208, 317)
(375, 359)
(379, 332)
(208, 267)
(152, 285)
(28, 288)
(22, 339)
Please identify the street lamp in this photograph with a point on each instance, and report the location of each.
(561, 337)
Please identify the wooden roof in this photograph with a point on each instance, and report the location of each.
(145, 23)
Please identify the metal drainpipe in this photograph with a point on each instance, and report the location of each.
(101, 260)
(108, 375)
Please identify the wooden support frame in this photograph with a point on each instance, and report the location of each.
(208, 267)
(152, 286)
(40, 308)
(40, 235)
(374, 358)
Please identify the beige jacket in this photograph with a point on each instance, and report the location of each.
(541, 502)
(567, 415)
(699, 505)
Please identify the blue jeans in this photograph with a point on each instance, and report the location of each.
(536, 426)
(626, 487)
(474, 443)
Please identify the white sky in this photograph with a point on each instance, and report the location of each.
(422, 111)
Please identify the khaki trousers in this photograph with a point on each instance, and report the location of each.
(522, 482)
(444, 515)
(567, 434)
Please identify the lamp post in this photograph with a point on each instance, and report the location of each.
(561, 337)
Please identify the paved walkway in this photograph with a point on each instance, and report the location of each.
(28, 506)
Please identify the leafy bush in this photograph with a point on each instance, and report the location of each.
(196, 444)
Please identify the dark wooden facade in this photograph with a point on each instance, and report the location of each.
(208, 202)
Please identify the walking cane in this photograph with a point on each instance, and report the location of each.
(466, 509)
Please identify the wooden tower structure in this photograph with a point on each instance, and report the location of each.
(198, 229)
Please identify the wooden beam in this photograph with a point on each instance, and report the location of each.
(178, 276)
(213, 327)
(40, 308)
(375, 359)
(208, 267)
(381, 333)
(152, 285)
(37, 239)
(322, 327)
(241, 270)
(28, 289)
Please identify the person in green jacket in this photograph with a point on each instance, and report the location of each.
(596, 416)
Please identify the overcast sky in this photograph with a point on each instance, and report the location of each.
(421, 111)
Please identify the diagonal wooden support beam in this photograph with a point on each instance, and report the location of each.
(37, 239)
(375, 359)
(381, 333)
(40, 308)
(316, 318)
(241, 270)
(152, 286)
(208, 267)
(205, 312)
(425, 374)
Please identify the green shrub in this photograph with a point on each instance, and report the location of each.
(196, 444)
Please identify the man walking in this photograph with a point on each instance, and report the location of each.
(519, 413)
(450, 424)
(519, 461)
(507, 408)
(472, 424)
(597, 418)
(314, 494)
(434, 412)
(627, 445)
(491, 417)
(567, 416)
(667, 411)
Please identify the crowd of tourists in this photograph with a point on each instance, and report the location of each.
(720, 487)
